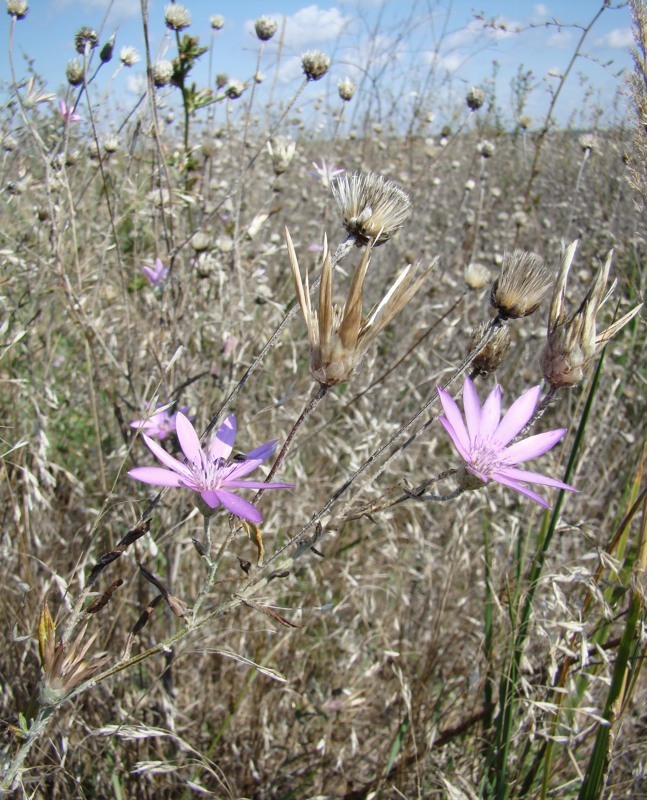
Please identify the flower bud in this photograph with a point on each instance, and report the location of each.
(17, 8)
(265, 28)
(177, 17)
(475, 98)
(217, 22)
(346, 89)
(162, 72)
(315, 64)
(521, 285)
(495, 351)
(74, 72)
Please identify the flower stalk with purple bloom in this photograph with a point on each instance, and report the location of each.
(208, 472)
(156, 274)
(483, 439)
(68, 113)
(160, 424)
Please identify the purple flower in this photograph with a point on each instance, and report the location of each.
(156, 275)
(68, 113)
(207, 471)
(160, 424)
(485, 443)
(326, 172)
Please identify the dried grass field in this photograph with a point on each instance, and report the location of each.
(414, 617)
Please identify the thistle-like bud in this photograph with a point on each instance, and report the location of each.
(315, 64)
(129, 56)
(85, 38)
(265, 28)
(476, 275)
(589, 142)
(573, 342)
(495, 351)
(282, 152)
(74, 72)
(17, 8)
(373, 208)
(339, 337)
(162, 72)
(346, 89)
(107, 50)
(177, 17)
(235, 89)
(525, 122)
(222, 79)
(217, 22)
(521, 286)
(475, 98)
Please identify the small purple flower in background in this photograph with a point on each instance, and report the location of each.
(160, 424)
(207, 471)
(315, 248)
(157, 274)
(484, 444)
(326, 172)
(68, 113)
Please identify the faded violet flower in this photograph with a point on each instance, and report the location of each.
(67, 113)
(156, 274)
(483, 440)
(160, 424)
(326, 172)
(208, 472)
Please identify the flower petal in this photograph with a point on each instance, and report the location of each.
(533, 477)
(236, 505)
(491, 413)
(223, 441)
(519, 487)
(531, 447)
(264, 451)
(166, 458)
(458, 444)
(517, 416)
(456, 429)
(188, 438)
(210, 498)
(156, 475)
(257, 485)
(472, 407)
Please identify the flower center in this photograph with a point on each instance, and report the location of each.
(485, 455)
(210, 473)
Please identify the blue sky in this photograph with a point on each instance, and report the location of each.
(433, 48)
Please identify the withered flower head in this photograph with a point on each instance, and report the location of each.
(265, 28)
(373, 209)
(475, 98)
(573, 342)
(346, 89)
(521, 285)
(282, 152)
(495, 351)
(315, 64)
(64, 665)
(339, 337)
(85, 38)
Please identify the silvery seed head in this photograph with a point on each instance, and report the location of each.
(521, 286)
(315, 64)
(74, 72)
(177, 17)
(485, 148)
(129, 56)
(162, 72)
(495, 351)
(346, 89)
(265, 28)
(235, 89)
(373, 208)
(17, 8)
(475, 98)
(217, 22)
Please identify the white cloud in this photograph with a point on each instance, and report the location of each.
(541, 10)
(122, 9)
(559, 39)
(476, 31)
(618, 38)
(136, 83)
(309, 27)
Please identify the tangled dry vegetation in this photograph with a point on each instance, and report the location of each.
(397, 655)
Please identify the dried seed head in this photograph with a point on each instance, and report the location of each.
(129, 56)
(373, 208)
(521, 285)
(339, 337)
(85, 38)
(525, 122)
(476, 275)
(111, 143)
(495, 351)
(217, 22)
(17, 8)
(589, 142)
(74, 72)
(265, 28)
(222, 79)
(162, 72)
(177, 17)
(475, 98)
(346, 89)
(315, 64)
(282, 152)
(235, 89)
(485, 149)
(573, 342)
